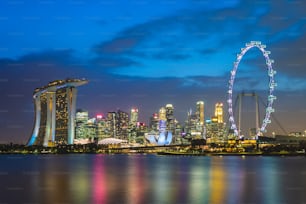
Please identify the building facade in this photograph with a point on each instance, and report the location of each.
(55, 109)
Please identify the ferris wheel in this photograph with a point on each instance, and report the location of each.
(271, 86)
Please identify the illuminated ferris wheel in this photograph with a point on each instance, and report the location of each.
(271, 86)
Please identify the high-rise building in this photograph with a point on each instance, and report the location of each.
(134, 117)
(118, 124)
(162, 114)
(170, 118)
(101, 123)
(132, 131)
(219, 112)
(215, 128)
(200, 112)
(153, 125)
(81, 120)
(55, 107)
(85, 129)
(193, 128)
(81, 116)
(122, 124)
(111, 120)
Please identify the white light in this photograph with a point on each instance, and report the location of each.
(270, 110)
(271, 97)
(271, 84)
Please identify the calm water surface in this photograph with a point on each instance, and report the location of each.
(86, 178)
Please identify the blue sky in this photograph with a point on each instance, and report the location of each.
(149, 53)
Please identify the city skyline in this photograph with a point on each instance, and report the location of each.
(147, 54)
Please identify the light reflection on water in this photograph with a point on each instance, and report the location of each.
(134, 179)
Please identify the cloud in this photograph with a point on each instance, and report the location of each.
(117, 46)
(212, 37)
(64, 56)
(113, 62)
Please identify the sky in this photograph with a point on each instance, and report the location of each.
(146, 54)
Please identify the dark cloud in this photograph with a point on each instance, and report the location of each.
(65, 56)
(113, 62)
(117, 46)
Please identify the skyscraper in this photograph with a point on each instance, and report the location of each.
(132, 135)
(200, 112)
(134, 117)
(81, 116)
(170, 118)
(117, 124)
(101, 127)
(219, 112)
(81, 120)
(55, 106)
(153, 125)
(162, 114)
(122, 125)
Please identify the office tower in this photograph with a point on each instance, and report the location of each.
(101, 127)
(117, 124)
(215, 127)
(132, 131)
(81, 116)
(111, 120)
(200, 112)
(162, 114)
(170, 118)
(153, 125)
(162, 120)
(134, 117)
(81, 120)
(122, 124)
(55, 106)
(193, 128)
(219, 112)
(153, 122)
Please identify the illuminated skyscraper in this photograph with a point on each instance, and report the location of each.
(170, 118)
(132, 131)
(122, 125)
(81, 120)
(153, 125)
(162, 114)
(117, 124)
(200, 112)
(134, 117)
(219, 112)
(101, 126)
(111, 120)
(55, 107)
(81, 116)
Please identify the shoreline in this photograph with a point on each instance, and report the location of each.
(280, 154)
(166, 153)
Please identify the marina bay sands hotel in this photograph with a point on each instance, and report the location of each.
(55, 106)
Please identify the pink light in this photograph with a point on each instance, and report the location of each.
(99, 116)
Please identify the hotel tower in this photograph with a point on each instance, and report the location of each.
(55, 107)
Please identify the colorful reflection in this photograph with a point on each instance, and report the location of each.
(152, 179)
(99, 182)
(136, 181)
(218, 181)
(198, 188)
